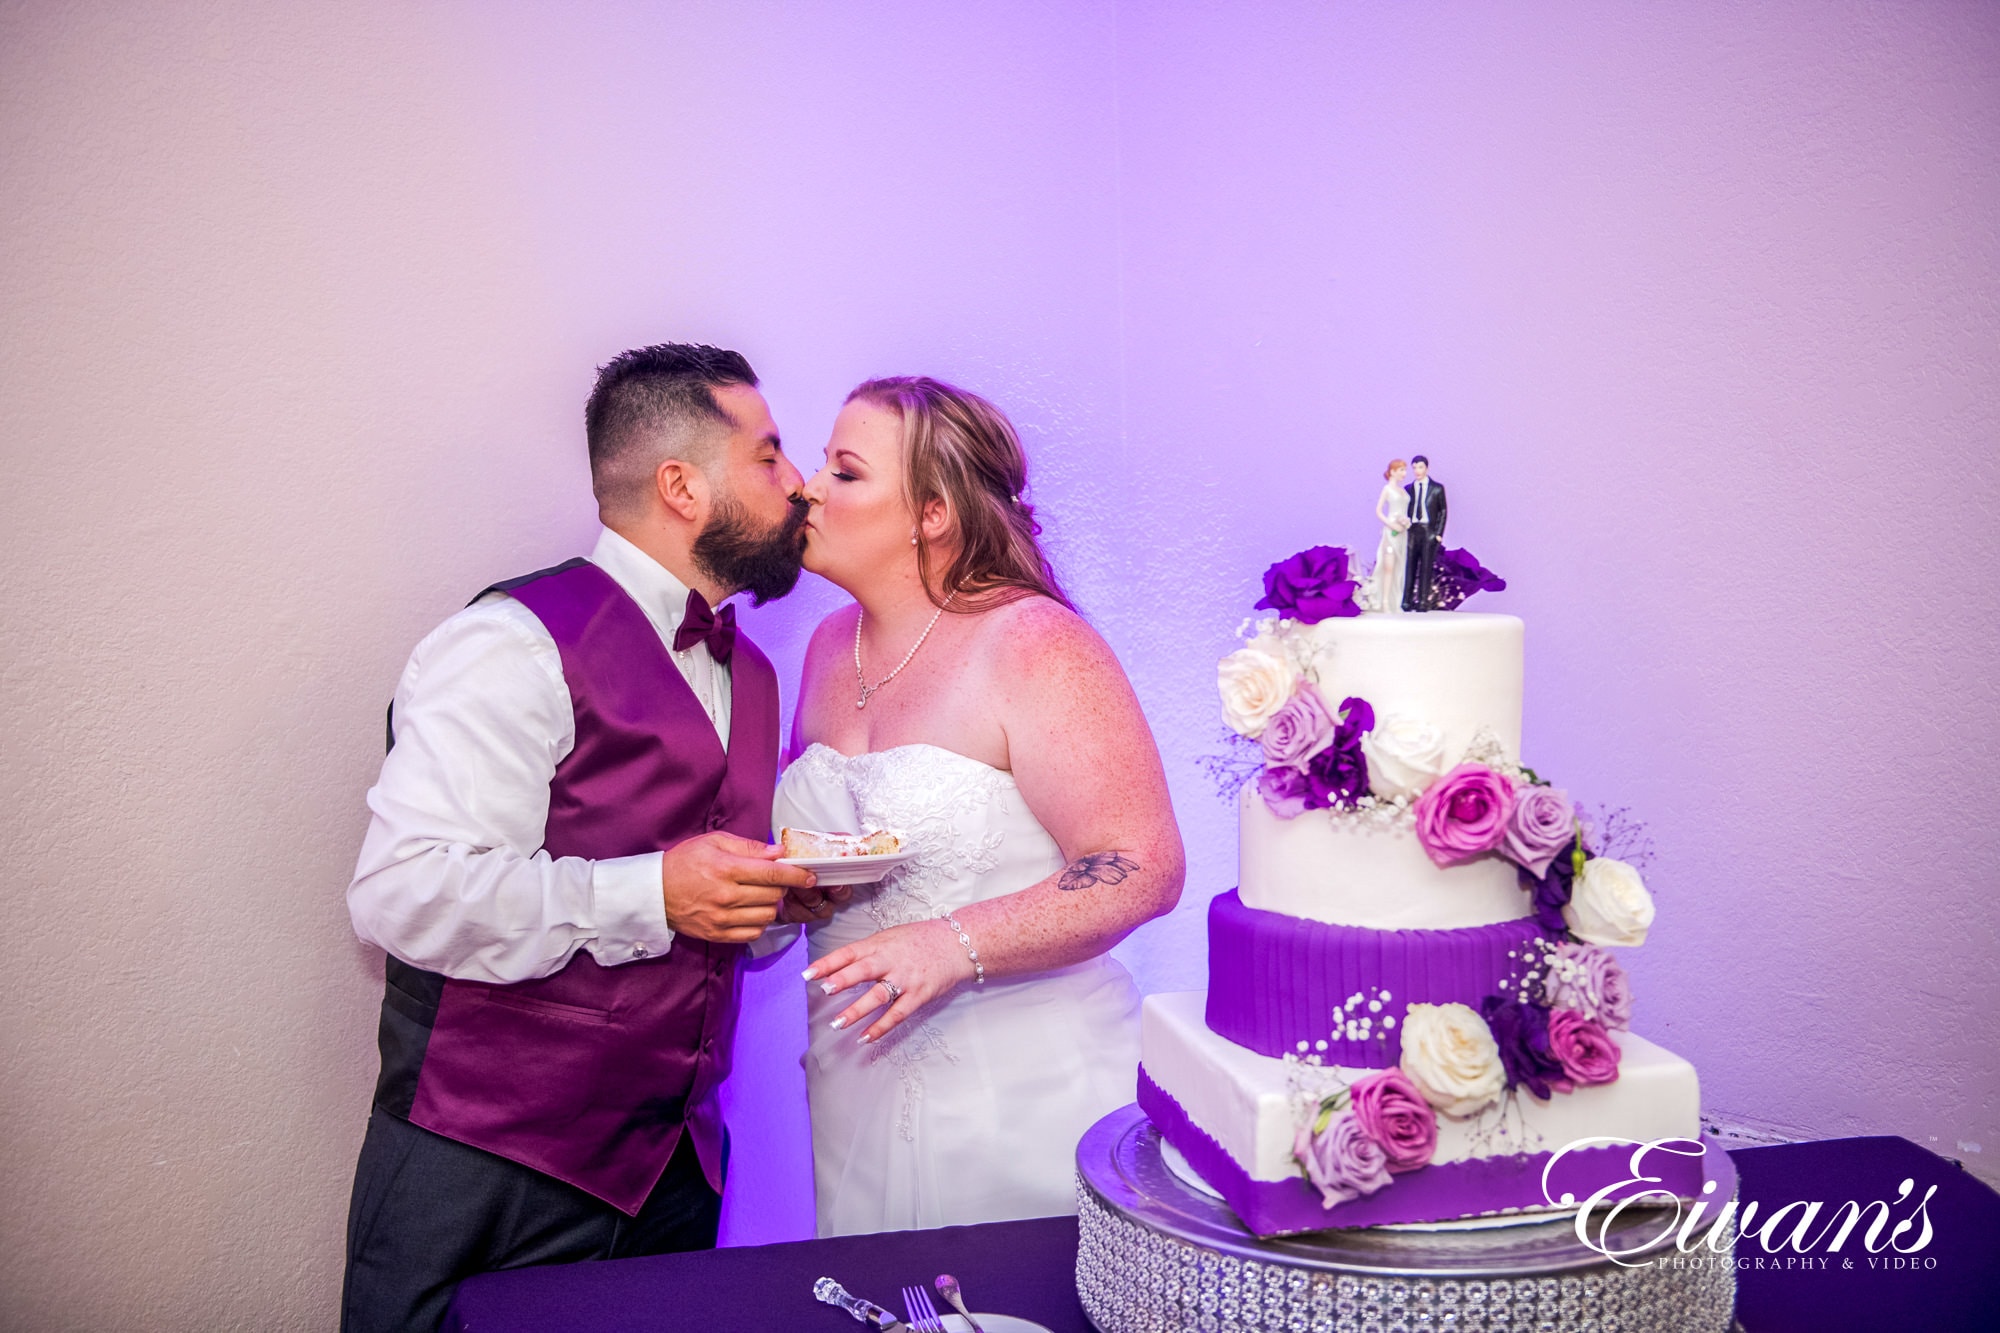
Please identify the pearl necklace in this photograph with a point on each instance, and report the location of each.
(867, 690)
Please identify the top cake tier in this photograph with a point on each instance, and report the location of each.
(1444, 686)
(1459, 671)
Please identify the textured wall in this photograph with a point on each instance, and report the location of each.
(297, 315)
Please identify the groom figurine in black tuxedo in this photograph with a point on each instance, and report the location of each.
(1427, 515)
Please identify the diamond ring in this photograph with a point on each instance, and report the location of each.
(894, 990)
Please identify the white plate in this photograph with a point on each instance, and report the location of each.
(851, 869)
(992, 1323)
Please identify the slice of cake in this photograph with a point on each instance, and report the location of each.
(810, 844)
(1413, 1012)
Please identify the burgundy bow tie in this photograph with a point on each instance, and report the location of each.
(717, 627)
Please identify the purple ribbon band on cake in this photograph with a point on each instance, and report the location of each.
(1275, 981)
(1444, 1189)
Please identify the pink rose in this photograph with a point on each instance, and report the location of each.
(1586, 1051)
(1464, 814)
(1299, 730)
(1589, 980)
(1543, 823)
(1393, 1113)
(1341, 1161)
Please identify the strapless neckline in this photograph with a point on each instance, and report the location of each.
(843, 756)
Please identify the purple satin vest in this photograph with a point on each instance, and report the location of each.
(592, 1074)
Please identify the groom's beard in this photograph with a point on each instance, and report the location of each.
(764, 564)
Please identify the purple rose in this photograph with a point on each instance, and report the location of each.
(1341, 1161)
(1464, 813)
(1338, 774)
(1299, 730)
(1456, 575)
(1393, 1113)
(1552, 890)
(1589, 980)
(1287, 793)
(1543, 823)
(1522, 1032)
(1584, 1049)
(1311, 586)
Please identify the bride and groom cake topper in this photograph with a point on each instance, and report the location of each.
(1413, 519)
(568, 856)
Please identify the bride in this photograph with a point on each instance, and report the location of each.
(1393, 508)
(966, 1024)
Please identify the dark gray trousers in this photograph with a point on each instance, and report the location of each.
(429, 1211)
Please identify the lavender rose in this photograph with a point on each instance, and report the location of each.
(1299, 730)
(1585, 1050)
(1543, 823)
(1393, 1112)
(1311, 586)
(1521, 1031)
(1464, 814)
(1341, 1161)
(1285, 791)
(1589, 980)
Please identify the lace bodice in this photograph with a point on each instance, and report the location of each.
(973, 835)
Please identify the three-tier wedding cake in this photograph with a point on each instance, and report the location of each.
(1414, 1012)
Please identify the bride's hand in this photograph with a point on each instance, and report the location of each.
(924, 958)
(802, 907)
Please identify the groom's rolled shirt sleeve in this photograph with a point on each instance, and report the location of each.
(452, 877)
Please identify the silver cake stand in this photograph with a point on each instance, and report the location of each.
(1157, 1255)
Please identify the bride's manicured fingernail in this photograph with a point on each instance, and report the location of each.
(837, 1024)
(826, 988)
(865, 1039)
(810, 973)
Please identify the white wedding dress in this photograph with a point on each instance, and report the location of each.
(1392, 550)
(971, 1110)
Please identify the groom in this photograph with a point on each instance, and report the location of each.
(566, 855)
(1427, 515)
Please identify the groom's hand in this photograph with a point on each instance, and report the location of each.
(725, 889)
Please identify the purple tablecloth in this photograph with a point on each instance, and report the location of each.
(1028, 1268)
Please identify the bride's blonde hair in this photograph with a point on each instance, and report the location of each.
(1390, 470)
(961, 449)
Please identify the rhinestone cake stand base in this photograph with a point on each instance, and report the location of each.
(1156, 1255)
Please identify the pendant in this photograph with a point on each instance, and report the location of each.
(862, 702)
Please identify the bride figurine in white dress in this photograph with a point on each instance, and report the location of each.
(1393, 508)
(967, 1026)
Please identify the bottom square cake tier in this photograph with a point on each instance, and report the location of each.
(1231, 1113)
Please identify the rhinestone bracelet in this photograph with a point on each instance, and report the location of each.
(978, 968)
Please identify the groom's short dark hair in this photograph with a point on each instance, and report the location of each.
(653, 403)
(1419, 458)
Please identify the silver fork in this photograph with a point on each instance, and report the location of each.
(922, 1315)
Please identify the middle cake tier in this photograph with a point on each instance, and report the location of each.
(1282, 985)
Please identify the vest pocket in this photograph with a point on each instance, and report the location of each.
(535, 1004)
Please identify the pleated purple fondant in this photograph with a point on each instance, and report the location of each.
(1275, 980)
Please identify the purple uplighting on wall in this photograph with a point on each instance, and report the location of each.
(1693, 308)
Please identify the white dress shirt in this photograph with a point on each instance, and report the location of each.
(452, 876)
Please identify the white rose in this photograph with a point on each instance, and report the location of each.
(1254, 685)
(1450, 1054)
(1609, 905)
(1404, 756)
